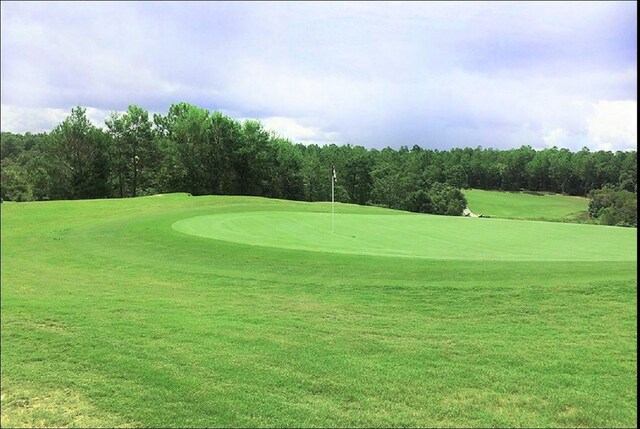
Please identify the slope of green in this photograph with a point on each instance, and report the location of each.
(524, 205)
(112, 317)
(421, 236)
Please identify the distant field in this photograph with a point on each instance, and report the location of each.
(184, 311)
(524, 205)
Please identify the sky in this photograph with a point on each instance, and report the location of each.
(434, 74)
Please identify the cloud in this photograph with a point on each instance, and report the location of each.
(613, 125)
(606, 125)
(556, 137)
(298, 133)
(19, 119)
(435, 74)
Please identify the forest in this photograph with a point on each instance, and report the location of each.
(200, 152)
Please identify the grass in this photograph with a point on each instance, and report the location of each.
(112, 315)
(526, 205)
(416, 236)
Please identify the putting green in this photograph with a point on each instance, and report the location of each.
(418, 236)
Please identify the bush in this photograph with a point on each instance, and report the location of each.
(440, 198)
(614, 207)
(419, 202)
(447, 200)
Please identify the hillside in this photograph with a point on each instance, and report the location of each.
(526, 205)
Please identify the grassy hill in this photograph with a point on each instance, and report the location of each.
(526, 205)
(236, 311)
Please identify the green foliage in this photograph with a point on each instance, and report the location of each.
(76, 158)
(203, 153)
(439, 198)
(614, 207)
(225, 137)
(134, 157)
(285, 174)
(16, 185)
(446, 200)
(356, 176)
(420, 202)
(187, 127)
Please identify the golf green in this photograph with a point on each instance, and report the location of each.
(417, 236)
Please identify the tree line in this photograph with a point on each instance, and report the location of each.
(201, 152)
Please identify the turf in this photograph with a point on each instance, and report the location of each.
(526, 205)
(417, 236)
(113, 317)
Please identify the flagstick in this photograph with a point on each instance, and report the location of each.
(333, 211)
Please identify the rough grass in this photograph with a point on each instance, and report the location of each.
(111, 317)
(526, 205)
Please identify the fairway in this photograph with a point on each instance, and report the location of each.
(525, 205)
(419, 236)
(221, 311)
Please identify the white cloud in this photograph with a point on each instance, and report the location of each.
(613, 125)
(298, 133)
(556, 137)
(604, 125)
(435, 74)
(18, 119)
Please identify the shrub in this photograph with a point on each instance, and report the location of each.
(614, 207)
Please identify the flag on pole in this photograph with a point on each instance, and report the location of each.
(333, 209)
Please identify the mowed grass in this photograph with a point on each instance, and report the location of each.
(526, 205)
(417, 236)
(111, 316)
